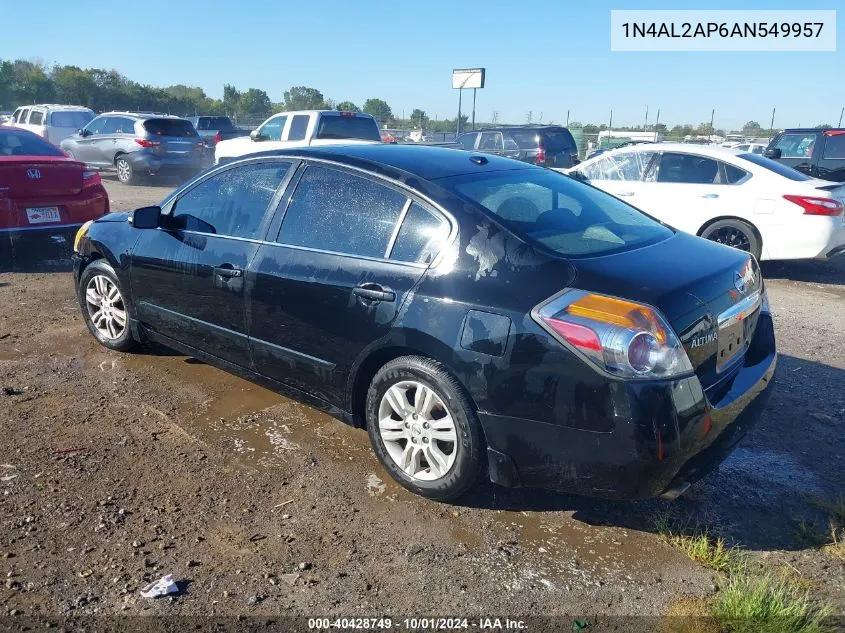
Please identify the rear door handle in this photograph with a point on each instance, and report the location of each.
(227, 271)
(374, 292)
(710, 195)
(625, 194)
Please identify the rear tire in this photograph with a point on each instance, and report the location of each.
(105, 306)
(418, 415)
(735, 233)
(125, 172)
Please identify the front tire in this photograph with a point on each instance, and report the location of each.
(735, 233)
(125, 171)
(423, 428)
(105, 306)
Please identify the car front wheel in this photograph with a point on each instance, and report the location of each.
(423, 428)
(105, 307)
(125, 171)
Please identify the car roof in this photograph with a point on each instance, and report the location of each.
(141, 115)
(295, 112)
(514, 128)
(813, 129)
(55, 106)
(683, 148)
(424, 161)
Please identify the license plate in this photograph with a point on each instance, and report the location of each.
(41, 215)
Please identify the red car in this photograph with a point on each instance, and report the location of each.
(43, 193)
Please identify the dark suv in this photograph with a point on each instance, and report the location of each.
(546, 145)
(817, 152)
(135, 143)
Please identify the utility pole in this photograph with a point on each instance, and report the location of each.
(772, 124)
(495, 117)
(567, 118)
(656, 123)
(528, 116)
(710, 131)
(841, 112)
(610, 125)
(473, 108)
(645, 125)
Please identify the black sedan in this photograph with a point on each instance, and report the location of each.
(474, 314)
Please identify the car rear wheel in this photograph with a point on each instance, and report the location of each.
(105, 307)
(734, 233)
(125, 172)
(423, 428)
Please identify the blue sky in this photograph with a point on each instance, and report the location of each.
(544, 56)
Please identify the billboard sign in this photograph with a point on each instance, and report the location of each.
(468, 78)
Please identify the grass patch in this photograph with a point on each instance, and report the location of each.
(701, 547)
(808, 535)
(769, 604)
(835, 549)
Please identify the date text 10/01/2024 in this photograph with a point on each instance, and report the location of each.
(723, 29)
(416, 624)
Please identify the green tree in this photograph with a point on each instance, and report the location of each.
(348, 106)
(379, 110)
(823, 125)
(254, 102)
(231, 98)
(419, 118)
(304, 98)
(752, 128)
(75, 86)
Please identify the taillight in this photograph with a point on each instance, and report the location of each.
(540, 159)
(145, 143)
(817, 206)
(624, 338)
(90, 178)
(348, 114)
(217, 138)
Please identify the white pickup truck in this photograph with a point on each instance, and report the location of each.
(288, 130)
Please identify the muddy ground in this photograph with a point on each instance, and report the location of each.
(116, 469)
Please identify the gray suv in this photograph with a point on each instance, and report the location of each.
(136, 143)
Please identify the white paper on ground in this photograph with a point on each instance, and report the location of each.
(160, 587)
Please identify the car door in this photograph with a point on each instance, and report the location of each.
(796, 150)
(269, 135)
(511, 147)
(620, 173)
(686, 190)
(84, 146)
(187, 277)
(349, 250)
(831, 161)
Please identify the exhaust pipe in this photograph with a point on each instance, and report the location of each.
(676, 490)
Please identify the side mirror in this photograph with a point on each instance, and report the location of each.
(82, 132)
(255, 135)
(773, 153)
(577, 175)
(145, 217)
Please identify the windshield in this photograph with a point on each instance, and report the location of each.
(335, 127)
(558, 212)
(75, 119)
(772, 165)
(170, 127)
(14, 143)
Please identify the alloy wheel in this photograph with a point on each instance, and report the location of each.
(417, 430)
(105, 307)
(731, 236)
(123, 170)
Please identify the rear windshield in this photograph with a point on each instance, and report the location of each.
(73, 119)
(362, 128)
(170, 127)
(526, 139)
(214, 123)
(772, 165)
(14, 143)
(558, 212)
(558, 140)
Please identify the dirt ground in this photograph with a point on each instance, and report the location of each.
(116, 469)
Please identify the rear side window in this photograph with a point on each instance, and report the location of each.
(36, 118)
(421, 236)
(170, 127)
(336, 211)
(362, 128)
(558, 212)
(214, 123)
(467, 141)
(19, 143)
(686, 168)
(526, 139)
(772, 165)
(298, 127)
(74, 119)
(834, 147)
(232, 203)
(491, 141)
(734, 174)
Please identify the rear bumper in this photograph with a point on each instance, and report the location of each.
(814, 237)
(23, 246)
(665, 434)
(148, 162)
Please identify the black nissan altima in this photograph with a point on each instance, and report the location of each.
(477, 315)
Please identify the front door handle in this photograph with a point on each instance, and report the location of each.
(374, 292)
(709, 195)
(625, 194)
(228, 272)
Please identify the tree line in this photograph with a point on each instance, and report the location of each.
(24, 82)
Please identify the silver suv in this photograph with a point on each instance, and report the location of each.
(139, 143)
(51, 121)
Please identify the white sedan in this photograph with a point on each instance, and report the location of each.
(729, 196)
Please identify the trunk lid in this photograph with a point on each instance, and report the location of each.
(705, 290)
(176, 136)
(39, 177)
